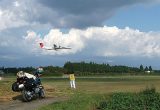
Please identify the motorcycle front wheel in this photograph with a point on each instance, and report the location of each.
(42, 93)
(27, 96)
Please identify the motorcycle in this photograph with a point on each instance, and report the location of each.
(29, 88)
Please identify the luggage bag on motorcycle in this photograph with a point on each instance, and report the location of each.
(15, 87)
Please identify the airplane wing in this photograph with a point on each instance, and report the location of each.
(65, 48)
(61, 48)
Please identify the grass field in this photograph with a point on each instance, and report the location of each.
(90, 90)
(59, 87)
(106, 84)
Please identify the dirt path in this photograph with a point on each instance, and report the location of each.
(33, 105)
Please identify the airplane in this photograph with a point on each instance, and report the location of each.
(55, 47)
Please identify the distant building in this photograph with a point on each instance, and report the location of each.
(1, 73)
(148, 72)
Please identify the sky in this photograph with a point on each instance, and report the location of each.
(117, 32)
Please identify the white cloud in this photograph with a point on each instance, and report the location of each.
(60, 14)
(55, 36)
(101, 41)
(10, 19)
(88, 43)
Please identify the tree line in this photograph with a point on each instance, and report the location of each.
(48, 70)
(82, 69)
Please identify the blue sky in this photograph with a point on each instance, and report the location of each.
(144, 18)
(105, 31)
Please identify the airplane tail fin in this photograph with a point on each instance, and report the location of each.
(41, 45)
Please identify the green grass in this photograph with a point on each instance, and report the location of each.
(78, 101)
(106, 84)
(92, 86)
(147, 99)
(107, 79)
(91, 91)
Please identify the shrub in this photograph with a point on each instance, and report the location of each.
(148, 99)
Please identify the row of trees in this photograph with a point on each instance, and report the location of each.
(14, 70)
(95, 68)
(81, 68)
(48, 70)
